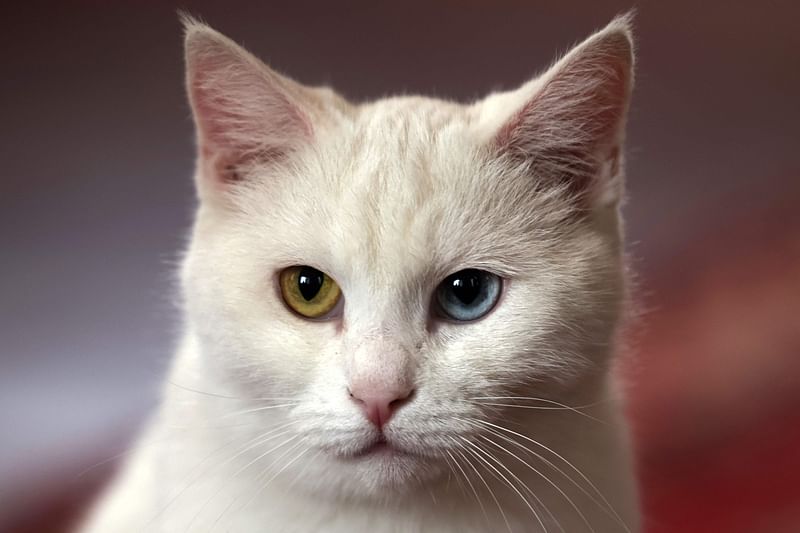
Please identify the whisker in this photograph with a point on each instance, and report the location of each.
(543, 400)
(471, 486)
(537, 408)
(226, 397)
(137, 444)
(303, 470)
(511, 485)
(556, 406)
(522, 483)
(246, 446)
(453, 475)
(432, 495)
(264, 485)
(606, 508)
(257, 409)
(515, 456)
(242, 469)
(485, 484)
(132, 449)
(190, 389)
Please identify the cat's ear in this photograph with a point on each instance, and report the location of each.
(568, 124)
(244, 112)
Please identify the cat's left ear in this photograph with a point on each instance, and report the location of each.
(245, 113)
(567, 126)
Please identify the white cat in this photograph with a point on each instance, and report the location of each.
(401, 315)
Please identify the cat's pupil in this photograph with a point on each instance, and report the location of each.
(466, 286)
(310, 282)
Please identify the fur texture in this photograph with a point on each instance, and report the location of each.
(514, 423)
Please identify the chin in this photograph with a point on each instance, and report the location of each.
(380, 472)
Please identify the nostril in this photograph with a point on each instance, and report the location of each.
(401, 400)
(379, 406)
(357, 400)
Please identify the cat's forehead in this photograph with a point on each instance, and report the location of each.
(418, 112)
(404, 131)
(406, 182)
(408, 161)
(402, 187)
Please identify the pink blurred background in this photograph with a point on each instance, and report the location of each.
(95, 197)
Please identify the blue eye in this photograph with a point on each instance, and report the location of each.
(468, 294)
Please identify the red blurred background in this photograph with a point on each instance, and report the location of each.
(95, 197)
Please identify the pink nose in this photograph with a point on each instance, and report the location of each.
(379, 404)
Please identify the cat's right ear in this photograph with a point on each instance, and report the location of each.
(244, 112)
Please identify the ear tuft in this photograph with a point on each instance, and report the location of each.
(189, 21)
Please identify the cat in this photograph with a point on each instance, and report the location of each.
(400, 316)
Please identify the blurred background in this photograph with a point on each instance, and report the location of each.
(96, 146)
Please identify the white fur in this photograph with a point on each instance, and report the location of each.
(388, 198)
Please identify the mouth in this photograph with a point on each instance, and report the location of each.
(380, 447)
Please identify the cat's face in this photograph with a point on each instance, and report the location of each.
(388, 200)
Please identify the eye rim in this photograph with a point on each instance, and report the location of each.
(439, 311)
(330, 312)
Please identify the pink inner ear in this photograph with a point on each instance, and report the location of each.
(233, 166)
(573, 124)
(244, 112)
(230, 173)
(239, 128)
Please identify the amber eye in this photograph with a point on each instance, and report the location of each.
(309, 292)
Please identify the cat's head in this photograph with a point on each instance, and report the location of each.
(383, 271)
